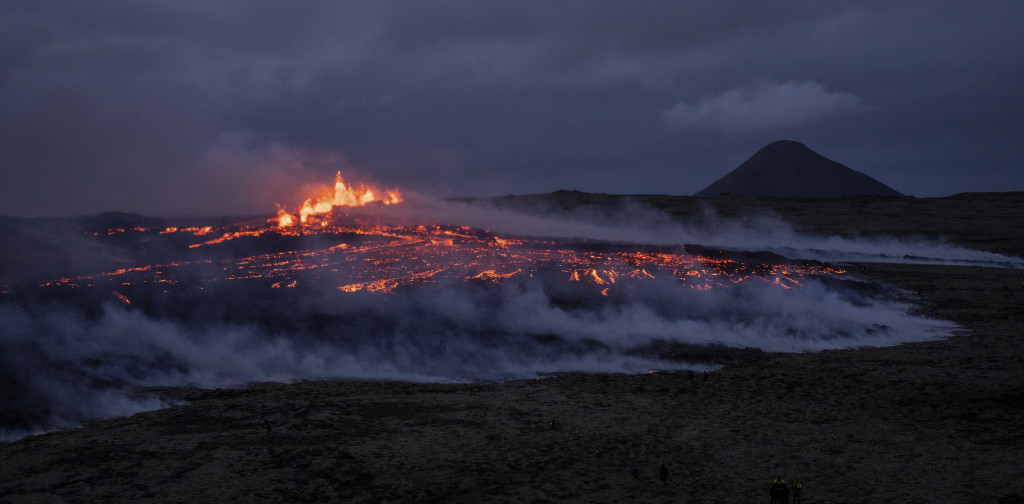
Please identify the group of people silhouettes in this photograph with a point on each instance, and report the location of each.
(781, 493)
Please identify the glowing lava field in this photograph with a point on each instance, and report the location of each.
(383, 258)
(345, 289)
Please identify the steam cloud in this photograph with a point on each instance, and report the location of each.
(65, 361)
(755, 232)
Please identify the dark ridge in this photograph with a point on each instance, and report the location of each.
(789, 169)
(559, 201)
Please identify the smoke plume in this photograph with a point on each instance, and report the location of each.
(67, 355)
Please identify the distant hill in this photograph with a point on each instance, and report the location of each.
(789, 169)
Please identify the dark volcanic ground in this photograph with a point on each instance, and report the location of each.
(924, 422)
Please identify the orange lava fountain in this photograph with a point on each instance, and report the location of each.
(342, 194)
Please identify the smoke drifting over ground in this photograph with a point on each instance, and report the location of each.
(68, 353)
(762, 231)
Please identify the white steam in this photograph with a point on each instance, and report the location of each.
(61, 363)
(78, 367)
(636, 224)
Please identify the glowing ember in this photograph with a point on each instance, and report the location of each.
(284, 219)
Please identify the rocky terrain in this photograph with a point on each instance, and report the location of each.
(939, 421)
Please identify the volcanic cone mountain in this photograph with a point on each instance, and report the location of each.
(789, 169)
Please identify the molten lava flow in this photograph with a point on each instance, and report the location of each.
(353, 257)
(341, 194)
(385, 258)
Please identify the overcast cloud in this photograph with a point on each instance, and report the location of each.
(198, 107)
(763, 105)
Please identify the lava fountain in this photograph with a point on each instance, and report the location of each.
(341, 195)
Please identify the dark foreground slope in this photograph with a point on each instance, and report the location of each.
(924, 422)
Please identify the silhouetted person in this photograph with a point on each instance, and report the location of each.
(776, 489)
(266, 423)
(705, 376)
(692, 374)
(636, 471)
(796, 492)
(663, 474)
(555, 425)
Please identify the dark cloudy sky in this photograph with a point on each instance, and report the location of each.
(197, 107)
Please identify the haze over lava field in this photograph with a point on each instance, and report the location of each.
(516, 287)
